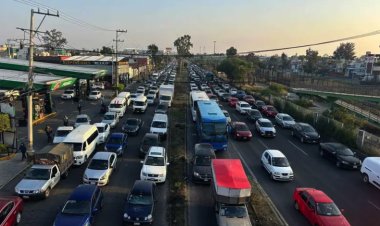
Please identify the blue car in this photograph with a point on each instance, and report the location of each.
(116, 143)
(240, 94)
(79, 210)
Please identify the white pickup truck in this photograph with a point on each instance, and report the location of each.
(50, 164)
(9, 94)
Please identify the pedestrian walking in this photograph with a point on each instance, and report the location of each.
(65, 120)
(79, 108)
(22, 149)
(49, 131)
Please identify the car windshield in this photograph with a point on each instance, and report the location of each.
(159, 124)
(260, 103)
(94, 93)
(37, 174)
(140, 199)
(116, 105)
(308, 129)
(76, 207)
(139, 103)
(248, 97)
(287, 118)
(266, 124)
(242, 127)
(98, 164)
(62, 133)
(114, 140)
(271, 109)
(82, 119)
(68, 92)
(328, 209)
(212, 129)
(280, 162)
(109, 117)
(150, 141)
(132, 122)
(154, 161)
(346, 152)
(255, 113)
(140, 91)
(165, 97)
(161, 107)
(101, 129)
(233, 211)
(152, 92)
(245, 106)
(150, 97)
(202, 161)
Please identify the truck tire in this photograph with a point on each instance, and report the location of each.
(365, 178)
(47, 193)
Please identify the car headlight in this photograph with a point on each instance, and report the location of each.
(119, 149)
(276, 173)
(144, 174)
(126, 216)
(87, 223)
(80, 157)
(37, 191)
(344, 162)
(148, 217)
(306, 136)
(85, 177)
(238, 135)
(196, 174)
(161, 175)
(103, 177)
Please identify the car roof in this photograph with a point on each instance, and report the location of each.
(156, 151)
(275, 153)
(83, 192)
(118, 135)
(204, 149)
(263, 120)
(82, 116)
(282, 114)
(239, 123)
(151, 135)
(102, 155)
(303, 124)
(243, 102)
(38, 166)
(110, 113)
(319, 196)
(62, 128)
(142, 187)
(100, 124)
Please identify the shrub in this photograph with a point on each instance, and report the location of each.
(120, 87)
(306, 103)
(3, 149)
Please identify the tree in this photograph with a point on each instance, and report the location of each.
(106, 50)
(153, 50)
(345, 51)
(311, 61)
(183, 45)
(231, 52)
(273, 62)
(235, 68)
(53, 39)
(284, 61)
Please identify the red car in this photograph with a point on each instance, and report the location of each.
(10, 210)
(240, 131)
(249, 99)
(232, 101)
(318, 208)
(269, 111)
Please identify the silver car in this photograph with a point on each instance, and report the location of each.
(100, 168)
(111, 118)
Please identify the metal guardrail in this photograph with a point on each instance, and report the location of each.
(359, 111)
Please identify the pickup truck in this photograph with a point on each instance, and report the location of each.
(49, 165)
(231, 192)
(9, 94)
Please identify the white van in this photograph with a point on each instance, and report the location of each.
(371, 171)
(140, 104)
(127, 96)
(84, 139)
(118, 105)
(160, 125)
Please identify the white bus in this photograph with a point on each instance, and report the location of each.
(195, 96)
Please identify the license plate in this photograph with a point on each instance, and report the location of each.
(355, 167)
(136, 223)
(205, 180)
(92, 182)
(25, 197)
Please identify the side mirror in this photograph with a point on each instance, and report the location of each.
(168, 163)
(342, 210)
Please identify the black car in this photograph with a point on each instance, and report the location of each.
(340, 154)
(258, 105)
(161, 108)
(132, 126)
(225, 97)
(305, 132)
(253, 115)
(149, 140)
(139, 206)
(201, 163)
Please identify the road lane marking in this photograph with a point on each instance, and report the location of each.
(298, 148)
(374, 205)
(262, 143)
(244, 162)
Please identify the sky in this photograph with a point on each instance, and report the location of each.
(247, 25)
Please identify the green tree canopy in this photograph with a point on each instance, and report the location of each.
(106, 50)
(285, 62)
(311, 60)
(345, 51)
(153, 50)
(235, 68)
(231, 51)
(183, 45)
(53, 39)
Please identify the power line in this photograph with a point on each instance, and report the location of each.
(64, 16)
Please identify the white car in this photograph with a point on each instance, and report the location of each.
(155, 165)
(242, 107)
(151, 98)
(277, 165)
(284, 120)
(111, 118)
(227, 116)
(100, 168)
(104, 131)
(68, 94)
(233, 91)
(97, 85)
(82, 120)
(61, 133)
(133, 97)
(265, 127)
(95, 95)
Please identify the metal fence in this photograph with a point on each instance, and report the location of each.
(368, 142)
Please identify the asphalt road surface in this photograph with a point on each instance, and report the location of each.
(43, 212)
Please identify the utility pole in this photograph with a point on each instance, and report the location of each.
(30, 75)
(214, 47)
(116, 62)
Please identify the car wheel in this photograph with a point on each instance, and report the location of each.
(302, 140)
(338, 164)
(296, 206)
(47, 193)
(18, 218)
(365, 178)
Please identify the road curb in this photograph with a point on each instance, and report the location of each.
(16, 175)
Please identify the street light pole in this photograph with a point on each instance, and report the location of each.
(29, 100)
(116, 61)
(214, 47)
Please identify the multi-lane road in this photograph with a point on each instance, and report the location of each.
(43, 212)
(360, 202)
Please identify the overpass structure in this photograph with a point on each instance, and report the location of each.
(348, 96)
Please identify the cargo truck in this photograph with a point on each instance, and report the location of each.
(231, 192)
(166, 93)
(49, 165)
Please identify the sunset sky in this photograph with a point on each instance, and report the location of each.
(245, 24)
